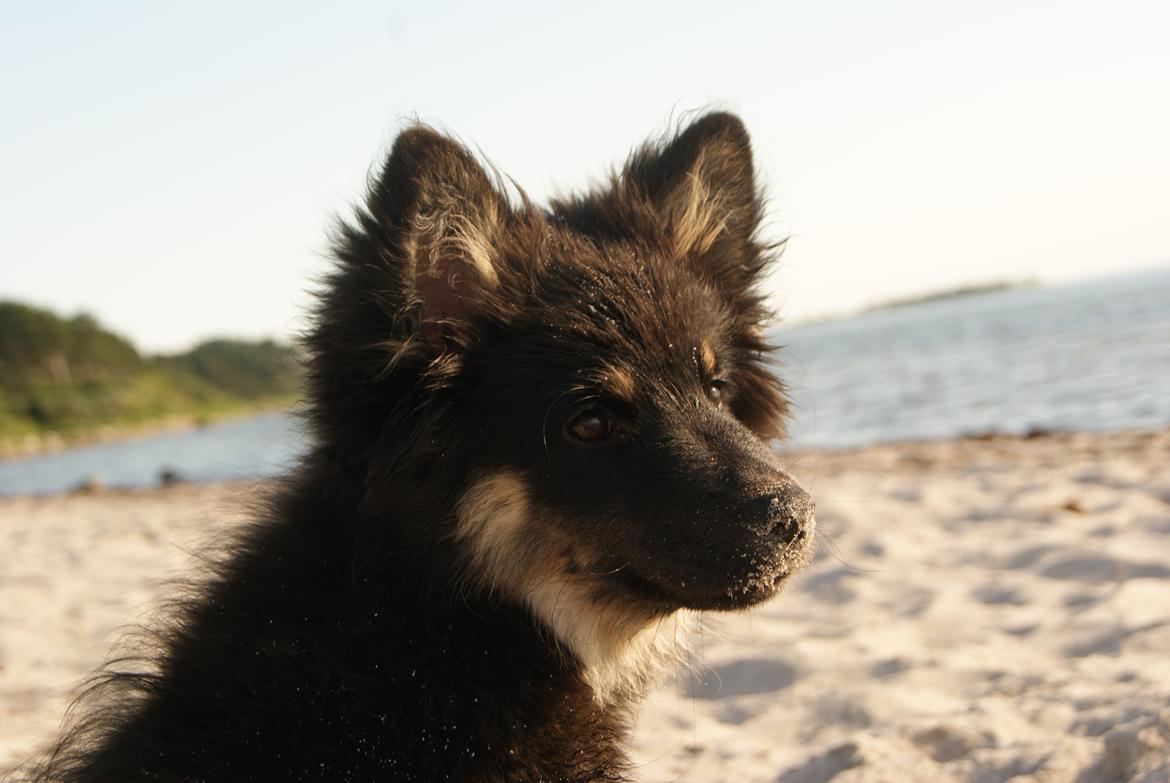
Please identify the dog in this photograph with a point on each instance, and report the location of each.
(540, 438)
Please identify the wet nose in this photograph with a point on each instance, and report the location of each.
(786, 514)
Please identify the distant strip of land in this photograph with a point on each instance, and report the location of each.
(960, 292)
(929, 297)
(66, 380)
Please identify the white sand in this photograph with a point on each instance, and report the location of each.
(980, 611)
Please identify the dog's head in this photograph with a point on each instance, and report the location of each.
(595, 374)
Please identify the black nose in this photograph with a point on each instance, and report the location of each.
(786, 514)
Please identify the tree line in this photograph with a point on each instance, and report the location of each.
(68, 374)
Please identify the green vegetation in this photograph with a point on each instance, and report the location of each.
(69, 376)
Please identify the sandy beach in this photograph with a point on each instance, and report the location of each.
(979, 610)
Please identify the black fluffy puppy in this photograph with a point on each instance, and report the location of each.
(539, 436)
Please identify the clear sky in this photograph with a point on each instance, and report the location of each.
(173, 170)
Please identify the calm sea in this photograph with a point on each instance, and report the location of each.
(1088, 356)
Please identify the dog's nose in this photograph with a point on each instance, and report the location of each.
(786, 514)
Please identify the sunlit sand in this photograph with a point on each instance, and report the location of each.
(979, 610)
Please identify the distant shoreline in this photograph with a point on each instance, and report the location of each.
(36, 444)
(929, 297)
(981, 440)
(67, 381)
(948, 294)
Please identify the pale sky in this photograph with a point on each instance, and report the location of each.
(174, 172)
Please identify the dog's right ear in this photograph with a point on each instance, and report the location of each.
(439, 210)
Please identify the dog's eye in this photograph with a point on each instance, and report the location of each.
(592, 425)
(717, 391)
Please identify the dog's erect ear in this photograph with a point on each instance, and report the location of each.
(446, 219)
(702, 184)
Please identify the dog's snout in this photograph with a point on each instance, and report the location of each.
(786, 514)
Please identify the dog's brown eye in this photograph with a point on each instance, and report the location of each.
(717, 391)
(591, 426)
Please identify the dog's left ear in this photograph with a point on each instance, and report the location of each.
(703, 187)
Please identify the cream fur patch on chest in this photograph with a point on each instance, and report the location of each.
(535, 561)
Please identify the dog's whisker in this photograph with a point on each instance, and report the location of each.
(829, 547)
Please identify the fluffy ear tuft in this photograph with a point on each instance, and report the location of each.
(448, 219)
(702, 185)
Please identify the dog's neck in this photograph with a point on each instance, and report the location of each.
(540, 703)
(618, 650)
(510, 549)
